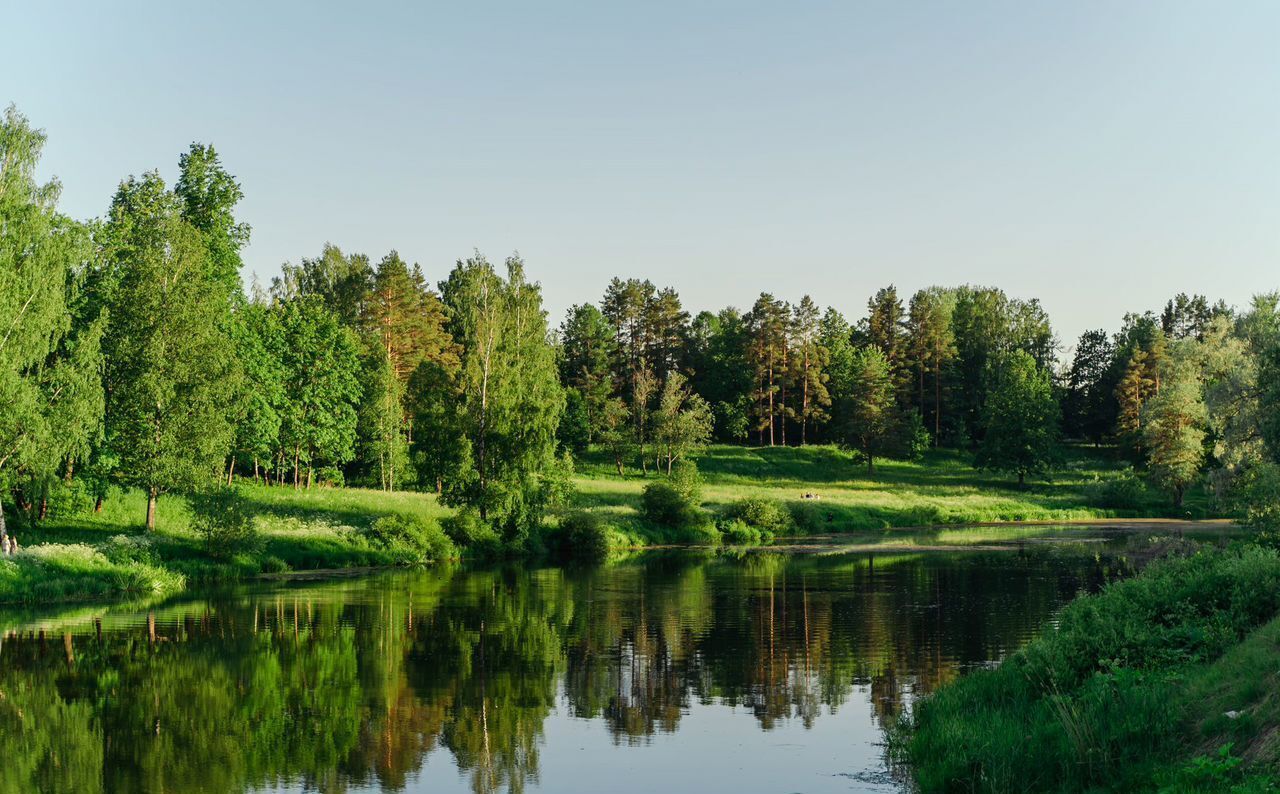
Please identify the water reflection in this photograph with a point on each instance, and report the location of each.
(497, 680)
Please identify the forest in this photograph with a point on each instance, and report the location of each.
(134, 360)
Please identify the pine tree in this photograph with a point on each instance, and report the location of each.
(931, 346)
(836, 336)
(586, 349)
(766, 354)
(886, 330)
(809, 360)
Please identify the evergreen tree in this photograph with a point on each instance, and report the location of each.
(931, 346)
(1086, 413)
(766, 354)
(586, 349)
(836, 336)
(871, 412)
(508, 402)
(667, 333)
(886, 331)
(51, 398)
(721, 374)
(1021, 417)
(168, 346)
(1173, 424)
(809, 360)
(626, 305)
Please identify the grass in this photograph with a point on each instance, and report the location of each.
(942, 488)
(326, 528)
(1126, 692)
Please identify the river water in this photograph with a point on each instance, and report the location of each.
(672, 671)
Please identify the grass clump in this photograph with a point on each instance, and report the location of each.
(1094, 701)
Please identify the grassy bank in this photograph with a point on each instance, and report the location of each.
(88, 555)
(1130, 691)
(941, 488)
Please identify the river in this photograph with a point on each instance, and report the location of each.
(668, 671)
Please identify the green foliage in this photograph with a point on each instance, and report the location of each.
(681, 423)
(52, 572)
(1093, 700)
(1258, 497)
(870, 411)
(582, 535)
(1125, 491)
(768, 516)
(224, 519)
(467, 530)
(507, 402)
(675, 503)
(1020, 419)
(51, 399)
(411, 538)
(1173, 434)
(170, 375)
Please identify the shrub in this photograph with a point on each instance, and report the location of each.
(583, 536)
(330, 476)
(467, 531)
(1259, 497)
(740, 533)
(1126, 491)
(224, 519)
(274, 564)
(674, 502)
(410, 539)
(123, 549)
(768, 516)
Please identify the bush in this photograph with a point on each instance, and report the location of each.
(768, 517)
(274, 565)
(1259, 497)
(410, 539)
(124, 549)
(1126, 491)
(674, 503)
(581, 535)
(224, 519)
(739, 533)
(330, 476)
(467, 531)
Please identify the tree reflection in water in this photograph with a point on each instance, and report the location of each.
(332, 685)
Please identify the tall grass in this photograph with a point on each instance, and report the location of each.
(1094, 702)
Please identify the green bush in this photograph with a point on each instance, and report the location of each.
(673, 503)
(1091, 701)
(225, 520)
(739, 533)
(124, 549)
(274, 564)
(467, 531)
(1126, 491)
(410, 539)
(768, 516)
(1258, 497)
(582, 536)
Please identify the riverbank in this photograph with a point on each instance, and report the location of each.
(1163, 681)
(77, 554)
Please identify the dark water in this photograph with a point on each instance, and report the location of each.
(671, 672)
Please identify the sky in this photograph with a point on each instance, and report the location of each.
(1099, 156)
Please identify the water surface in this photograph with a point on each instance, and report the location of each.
(674, 671)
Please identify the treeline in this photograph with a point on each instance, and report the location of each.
(131, 354)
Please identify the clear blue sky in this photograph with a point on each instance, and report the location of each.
(1097, 155)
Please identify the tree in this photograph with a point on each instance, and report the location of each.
(508, 399)
(321, 360)
(809, 360)
(586, 349)
(51, 398)
(682, 421)
(1085, 410)
(885, 330)
(406, 319)
(767, 356)
(167, 346)
(258, 346)
(717, 348)
(1021, 418)
(382, 422)
(1173, 433)
(626, 305)
(207, 197)
(836, 336)
(615, 431)
(931, 345)
(342, 282)
(870, 412)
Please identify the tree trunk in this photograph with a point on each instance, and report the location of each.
(937, 402)
(871, 467)
(97, 504)
(4, 531)
(1022, 479)
(151, 509)
(255, 469)
(617, 461)
(44, 507)
(308, 476)
(1177, 498)
(296, 468)
(231, 471)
